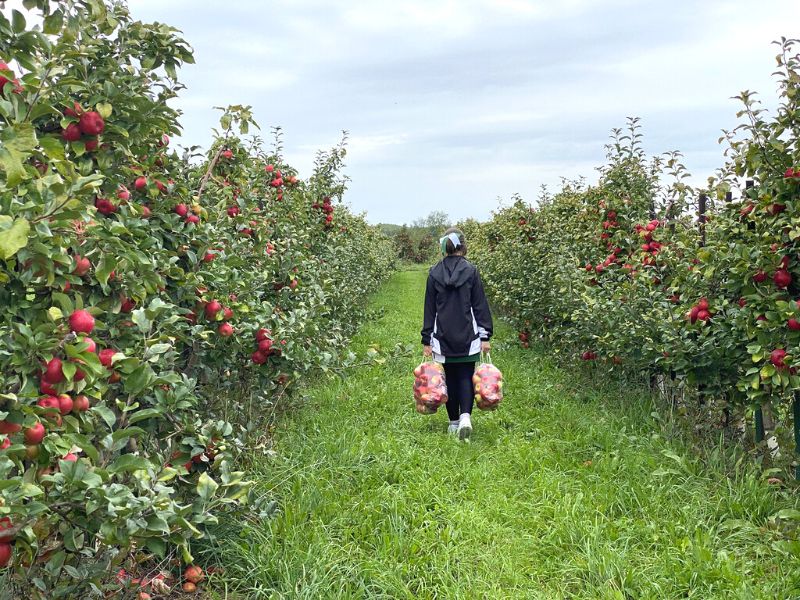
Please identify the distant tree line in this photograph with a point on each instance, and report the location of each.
(418, 242)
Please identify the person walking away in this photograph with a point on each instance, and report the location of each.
(457, 326)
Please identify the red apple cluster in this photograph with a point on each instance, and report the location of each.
(430, 389)
(488, 386)
(326, 208)
(699, 312)
(265, 347)
(524, 338)
(89, 125)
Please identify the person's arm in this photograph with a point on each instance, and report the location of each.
(480, 308)
(429, 316)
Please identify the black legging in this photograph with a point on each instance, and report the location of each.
(458, 377)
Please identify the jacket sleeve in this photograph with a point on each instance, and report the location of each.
(429, 317)
(480, 308)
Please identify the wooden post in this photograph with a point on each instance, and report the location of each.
(796, 415)
(759, 425)
(702, 219)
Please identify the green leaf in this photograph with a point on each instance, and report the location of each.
(53, 23)
(69, 369)
(788, 514)
(106, 414)
(155, 350)
(142, 322)
(13, 238)
(16, 145)
(52, 147)
(206, 487)
(55, 313)
(157, 546)
(86, 445)
(104, 269)
(139, 379)
(128, 463)
(17, 21)
(157, 523)
(104, 108)
(147, 413)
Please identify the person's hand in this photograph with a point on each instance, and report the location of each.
(426, 351)
(486, 346)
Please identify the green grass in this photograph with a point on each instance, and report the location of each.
(376, 501)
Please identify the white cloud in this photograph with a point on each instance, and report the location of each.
(450, 103)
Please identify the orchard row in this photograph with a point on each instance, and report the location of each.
(153, 306)
(643, 273)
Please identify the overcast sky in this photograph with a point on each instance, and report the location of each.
(451, 105)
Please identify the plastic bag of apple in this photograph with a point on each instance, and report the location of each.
(430, 390)
(488, 382)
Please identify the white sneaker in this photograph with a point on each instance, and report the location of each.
(464, 427)
(452, 428)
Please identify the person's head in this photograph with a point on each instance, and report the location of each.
(453, 243)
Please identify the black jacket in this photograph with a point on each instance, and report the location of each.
(457, 315)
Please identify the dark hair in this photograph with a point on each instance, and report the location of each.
(450, 248)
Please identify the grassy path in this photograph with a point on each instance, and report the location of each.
(570, 490)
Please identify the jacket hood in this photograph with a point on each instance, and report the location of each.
(452, 271)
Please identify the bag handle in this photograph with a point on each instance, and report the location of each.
(488, 356)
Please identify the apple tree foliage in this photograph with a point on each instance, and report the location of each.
(630, 273)
(186, 263)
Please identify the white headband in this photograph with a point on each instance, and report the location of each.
(453, 238)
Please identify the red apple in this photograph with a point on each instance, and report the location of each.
(194, 574)
(91, 123)
(212, 308)
(81, 321)
(53, 372)
(225, 330)
(7, 427)
(82, 266)
(5, 554)
(80, 404)
(64, 404)
(35, 434)
(777, 356)
(72, 133)
(782, 278)
(104, 206)
(105, 357)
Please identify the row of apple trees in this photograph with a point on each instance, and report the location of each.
(645, 274)
(152, 304)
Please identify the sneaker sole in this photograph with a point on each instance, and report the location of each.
(464, 432)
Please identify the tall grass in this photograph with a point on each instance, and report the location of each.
(575, 488)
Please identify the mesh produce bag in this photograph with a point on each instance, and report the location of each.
(488, 385)
(430, 390)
